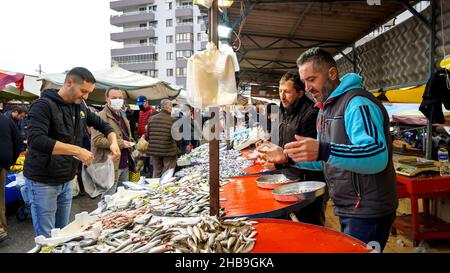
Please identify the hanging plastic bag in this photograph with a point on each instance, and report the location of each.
(98, 177)
(211, 80)
(75, 187)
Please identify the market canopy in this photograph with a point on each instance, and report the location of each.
(134, 84)
(272, 34)
(27, 87)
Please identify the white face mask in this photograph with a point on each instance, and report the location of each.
(116, 104)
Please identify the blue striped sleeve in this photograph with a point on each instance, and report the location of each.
(368, 153)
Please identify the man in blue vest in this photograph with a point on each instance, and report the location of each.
(353, 148)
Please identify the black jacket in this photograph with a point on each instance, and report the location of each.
(51, 120)
(298, 119)
(9, 142)
(437, 92)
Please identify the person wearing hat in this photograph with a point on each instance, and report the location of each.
(144, 114)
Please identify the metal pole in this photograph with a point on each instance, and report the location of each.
(429, 146)
(214, 206)
(354, 59)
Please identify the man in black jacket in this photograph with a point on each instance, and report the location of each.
(298, 117)
(55, 139)
(10, 149)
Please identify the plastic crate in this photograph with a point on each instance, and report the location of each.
(12, 193)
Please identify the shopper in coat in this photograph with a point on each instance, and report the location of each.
(114, 115)
(10, 149)
(162, 146)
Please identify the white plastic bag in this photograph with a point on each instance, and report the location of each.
(211, 80)
(98, 177)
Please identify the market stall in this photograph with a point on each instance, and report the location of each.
(134, 84)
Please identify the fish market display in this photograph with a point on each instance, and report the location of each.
(231, 164)
(141, 232)
(186, 197)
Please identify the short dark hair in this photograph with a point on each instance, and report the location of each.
(295, 78)
(80, 74)
(113, 88)
(18, 109)
(318, 56)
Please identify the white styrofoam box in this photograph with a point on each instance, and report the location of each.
(122, 197)
(73, 230)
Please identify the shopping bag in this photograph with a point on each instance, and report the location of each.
(98, 177)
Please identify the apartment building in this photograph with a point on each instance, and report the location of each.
(156, 36)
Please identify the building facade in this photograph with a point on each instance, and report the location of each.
(156, 36)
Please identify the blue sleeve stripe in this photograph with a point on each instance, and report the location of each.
(364, 120)
(337, 147)
(359, 156)
(366, 109)
(373, 148)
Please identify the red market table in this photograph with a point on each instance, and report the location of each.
(282, 236)
(242, 197)
(422, 226)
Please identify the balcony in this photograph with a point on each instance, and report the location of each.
(181, 63)
(184, 28)
(185, 45)
(181, 80)
(121, 5)
(138, 66)
(132, 17)
(184, 12)
(133, 49)
(133, 33)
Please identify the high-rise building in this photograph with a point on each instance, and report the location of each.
(156, 36)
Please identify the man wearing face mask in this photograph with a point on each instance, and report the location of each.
(113, 114)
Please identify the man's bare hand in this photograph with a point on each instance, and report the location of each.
(269, 166)
(305, 149)
(85, 156)
(271, 153)
(115, 150)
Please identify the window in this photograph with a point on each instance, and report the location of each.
(153, 7)
(181, 72)
(169, 55)
(142, 25)
(168, 22)
(143, 9)
(154, 73)
(181, 54)
(142, 41)
(153, 40)
(169, 72)
(184, 37)
(169, 39)
(153, 24)
(185, 21)
(145, 72)
(199, 36)
(169, 5)
(200, 19)
(185, 4)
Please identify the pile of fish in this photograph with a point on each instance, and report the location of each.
(186, 197)
(146, 233)
(231, 164)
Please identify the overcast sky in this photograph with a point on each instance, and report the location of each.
(58, 34)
